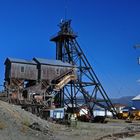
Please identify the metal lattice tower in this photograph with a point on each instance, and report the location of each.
(87, 86)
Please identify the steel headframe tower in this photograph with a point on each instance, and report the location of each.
(87, 86)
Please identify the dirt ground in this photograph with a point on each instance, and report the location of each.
(113, 130)
(15, 124)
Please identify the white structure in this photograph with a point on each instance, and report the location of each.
(57, 113)
(96, 112)
(83, 111)
(136, 102)
(101, 112)
(119, 107)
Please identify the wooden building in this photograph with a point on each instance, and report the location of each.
(24, 78)
(18, 73)
(20, 69)
(48, 70)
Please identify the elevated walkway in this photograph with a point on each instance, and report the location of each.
(65, 80)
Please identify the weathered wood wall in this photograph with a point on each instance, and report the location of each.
(21, 71)
(51, 72)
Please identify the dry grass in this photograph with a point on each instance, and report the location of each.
(25, 125)
(2, 125)
(24, 129)
(26, 121)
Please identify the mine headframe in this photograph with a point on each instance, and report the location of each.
(87, 86)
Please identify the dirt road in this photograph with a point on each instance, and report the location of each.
(113, 130)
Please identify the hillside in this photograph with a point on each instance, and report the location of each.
(15, 124)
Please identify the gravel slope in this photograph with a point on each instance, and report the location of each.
(17, 124)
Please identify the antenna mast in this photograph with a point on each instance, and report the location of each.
(65, 9)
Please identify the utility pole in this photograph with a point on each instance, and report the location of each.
(137, 46)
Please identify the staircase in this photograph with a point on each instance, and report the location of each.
(65, 80)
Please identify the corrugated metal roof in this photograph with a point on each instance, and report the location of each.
(136, 98)
(20, 60)
(51, 62)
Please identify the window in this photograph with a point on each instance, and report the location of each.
(57, 71)
(22, 69)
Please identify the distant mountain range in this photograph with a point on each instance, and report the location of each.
(126, 100)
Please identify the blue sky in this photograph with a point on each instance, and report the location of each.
(107, 31)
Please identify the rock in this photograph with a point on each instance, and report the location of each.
(35, 126)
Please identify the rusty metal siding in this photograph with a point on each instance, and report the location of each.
(51, 72)
(23, 71)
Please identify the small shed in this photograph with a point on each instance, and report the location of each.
(136, 102)
(57, 113)
(48, 70)
(102, 112)
(20, 69)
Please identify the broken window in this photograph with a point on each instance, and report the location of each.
(22, 69)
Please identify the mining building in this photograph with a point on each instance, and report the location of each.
(41, 85)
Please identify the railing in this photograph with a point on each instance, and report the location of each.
(64, 81)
